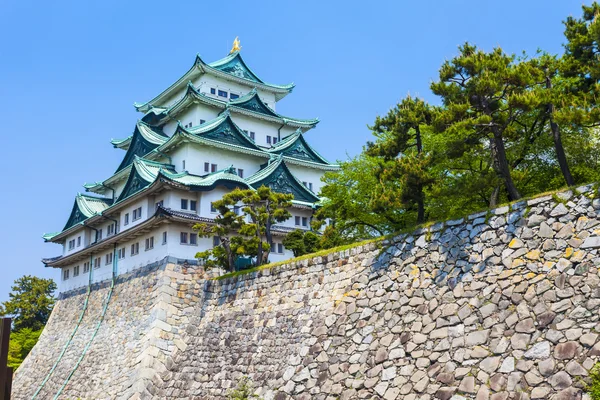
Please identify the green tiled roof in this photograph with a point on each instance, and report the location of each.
(276, 175)
(223, 129)
(232, 67)
(250, 104)
(295, 146)
(143, 173)
(84, 207)
(121, 143)
(48, 236)
(145, 138)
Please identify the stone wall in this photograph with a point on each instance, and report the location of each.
(499, 305)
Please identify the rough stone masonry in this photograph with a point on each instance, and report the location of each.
(499, 305)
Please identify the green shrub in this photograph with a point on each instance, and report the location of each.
(243, 391)
(593, 389)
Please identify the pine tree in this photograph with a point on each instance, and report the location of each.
(399, 139)
(483, 95)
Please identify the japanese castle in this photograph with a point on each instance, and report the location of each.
(215, 129)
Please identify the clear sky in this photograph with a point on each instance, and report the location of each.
(70, 72)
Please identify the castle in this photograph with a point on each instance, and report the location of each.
(215, 129)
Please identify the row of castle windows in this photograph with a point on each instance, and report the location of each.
(224, 93)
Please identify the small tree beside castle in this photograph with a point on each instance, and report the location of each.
(244, 226)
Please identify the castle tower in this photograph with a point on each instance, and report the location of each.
(215, 129)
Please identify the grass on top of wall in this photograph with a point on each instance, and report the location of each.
(595, 192)
(319, 253)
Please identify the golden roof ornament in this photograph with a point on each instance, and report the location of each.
(236, 45)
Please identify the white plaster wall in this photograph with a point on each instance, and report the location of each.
(291, 222)
(195, 155)
(207, 198)
(193, 114)
(129, 209)
(144, 257)
(78, 233)
(260, 128)
(205, 82)
(305, 174)
(118, 188)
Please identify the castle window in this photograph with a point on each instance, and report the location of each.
(78, 241)
(183, 239)
(275, 140)
(297, 220)
(202, 121)
(222, 93)
(97, 262)
(183, 165)
(86, 267)
(268, 139)
(252, 134)
(164, 238)
(137, 213)
(273, 248)
(193, 239)
(99, 235)
(213, 167)
(233, 96)
(212, 208)
(121, 253)
(193, 205)
(65, 274)
(71, 244)
(310, 186)
(135, 248)
(76, 270)
(110, 230)
(304, 221)
(149, 243)
(240, 172)
(126, 219)
(184, 204)
(216, 241)
(109, 258)
(206, 167)
(280, 248)
(213, 90)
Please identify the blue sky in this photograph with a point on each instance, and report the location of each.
(70, 72)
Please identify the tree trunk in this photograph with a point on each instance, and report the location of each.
(494, 197)
(558, 146)
(418, 139)
(501, 164)
(420, 205)
(420, 195)
(227, 246)
(259, 254)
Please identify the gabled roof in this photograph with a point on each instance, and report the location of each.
(220, 132)
(143, 173)
(232, 68)
(295, 146)
(223, 129)
(234, 64)
(145, 138)
(276, 175)
(84, 207)
(250, 104)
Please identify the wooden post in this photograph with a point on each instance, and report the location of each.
(5, 372)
